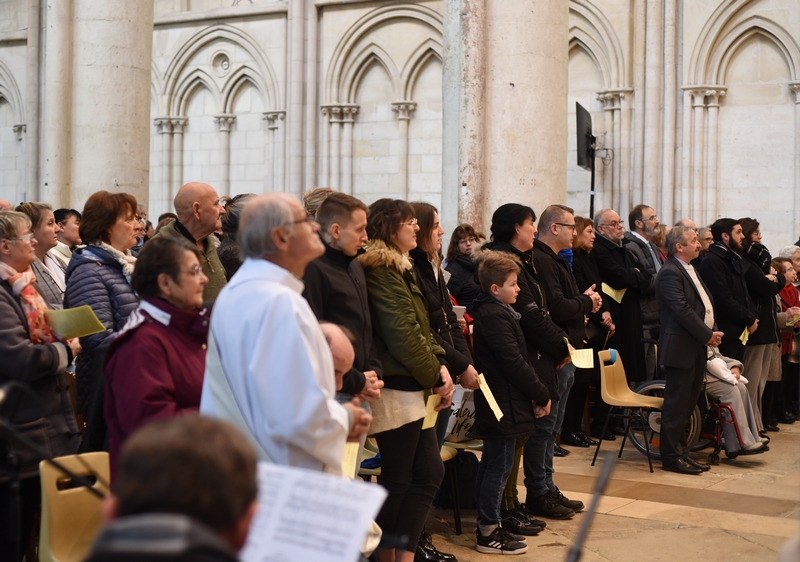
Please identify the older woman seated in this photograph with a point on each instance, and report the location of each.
(154, 367)
(31, 353)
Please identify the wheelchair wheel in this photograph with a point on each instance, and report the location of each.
(652, 423)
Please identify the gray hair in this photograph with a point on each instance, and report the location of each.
(11, 223)
(262, 215)
(598, 217)
(703, 229)
(677, 235)
(552, 215)
(788, 251)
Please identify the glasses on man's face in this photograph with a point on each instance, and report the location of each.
(195, 272)
(654, 217)
(614, 224)
(25, 238)
(572, 226)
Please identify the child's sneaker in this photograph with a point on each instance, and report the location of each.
(500, 542)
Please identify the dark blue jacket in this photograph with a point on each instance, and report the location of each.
(95, 278)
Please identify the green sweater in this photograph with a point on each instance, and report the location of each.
(212, 267)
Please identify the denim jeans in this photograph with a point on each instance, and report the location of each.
(538, 455)
(497, 459)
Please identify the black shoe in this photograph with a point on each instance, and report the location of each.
(427, 552)
(520, 511)
(547, 505)
(763, 449)
(500, 542)
(589, 440)
(771, 427)
(682, 467)
(763, 433)
(701, 465)
(619, 430)
(560, 451)
(787, 418)
(574, 505)
(517, 527)
(609, 436)
(573, 439)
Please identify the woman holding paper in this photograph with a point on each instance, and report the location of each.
(99, 275)
(154, 367)
(32, 353)
(413, 363)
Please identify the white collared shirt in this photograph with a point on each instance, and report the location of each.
(708, 320)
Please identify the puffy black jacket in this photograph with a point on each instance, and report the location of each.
(95, 278)
(444, 323)
(543, 338)
(565, 302)
(502, 356)
(463, 284)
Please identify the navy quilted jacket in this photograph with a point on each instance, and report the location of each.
(95, 278)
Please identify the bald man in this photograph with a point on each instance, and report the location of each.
(5, 205)
(687, 223)
(198, 208)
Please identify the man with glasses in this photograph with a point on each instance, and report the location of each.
(628, 282)
(644, 221)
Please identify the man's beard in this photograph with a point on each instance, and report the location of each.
(736, 246)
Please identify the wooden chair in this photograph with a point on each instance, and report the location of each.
(71, 516)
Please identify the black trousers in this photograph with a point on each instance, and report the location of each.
(683, 388)
(411, 471)
(30, 499)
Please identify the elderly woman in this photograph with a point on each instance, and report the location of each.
(99, 275)
(413, 364)
(48, 268)
(228, 250)
(154, 367)
(463, 282)
(30, 352)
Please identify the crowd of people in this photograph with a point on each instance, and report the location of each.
(305, 325)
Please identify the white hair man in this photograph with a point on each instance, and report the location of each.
(269, 369)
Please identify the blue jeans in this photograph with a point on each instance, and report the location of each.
(538, 455)
(497, 459)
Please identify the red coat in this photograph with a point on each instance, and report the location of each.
(154, 368)
(789, 297)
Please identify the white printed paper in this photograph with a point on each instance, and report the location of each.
(305, 515)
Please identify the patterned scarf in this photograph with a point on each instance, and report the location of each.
(126, 260)
(30, 300)
(760, 255)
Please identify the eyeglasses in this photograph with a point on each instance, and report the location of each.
(25, 237)
(572, 226)
(467, 241)
(654, 217)
(410, 222)
(196, 271)
(614, 224)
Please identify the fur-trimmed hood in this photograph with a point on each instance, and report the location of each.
(377, 253)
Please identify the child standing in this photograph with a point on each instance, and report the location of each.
(501, 355)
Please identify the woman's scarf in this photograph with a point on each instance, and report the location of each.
(126, 260)
(760, 255)
(31, 301)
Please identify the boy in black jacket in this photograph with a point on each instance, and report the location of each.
(501, 355)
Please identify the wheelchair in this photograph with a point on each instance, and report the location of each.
(704, 429)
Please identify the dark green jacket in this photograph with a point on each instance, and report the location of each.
(410, 356)
(211, 265)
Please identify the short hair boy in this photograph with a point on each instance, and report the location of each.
(501, 355)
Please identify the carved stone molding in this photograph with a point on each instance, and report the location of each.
(404, 109)
(164, 125)
(349, 113)
(714, 95)
(273, 118)
(340, 113)
(794, 87)
(333, 112)
(19, 130)
(224, 121)
(178, 123)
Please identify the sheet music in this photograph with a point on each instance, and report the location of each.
(305, 515)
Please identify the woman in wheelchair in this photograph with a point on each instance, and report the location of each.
(724, 382)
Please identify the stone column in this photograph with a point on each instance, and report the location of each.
(624, 158)
(712, 197)
(325, 174)
(296, 78)
(684, 197)
(31, 188)
(273, 119)
(652, 111)
(111, 97)
(310, 109)
(348, 119)
(164, 128)
(178, 123)
(56, 102)
(639, 85)
(609, 179)
(668, 187)
(335, 144)
(795, 88)
(403, 110)
(225, 121)
(698, 136)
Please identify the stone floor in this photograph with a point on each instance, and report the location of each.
(741, 510)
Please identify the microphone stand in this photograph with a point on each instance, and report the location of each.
(576, 551)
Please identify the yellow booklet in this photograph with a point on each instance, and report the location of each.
(350, 458)
(744, 337)
(616, 294)
(74, 322)
(430, 411)
(487, 393)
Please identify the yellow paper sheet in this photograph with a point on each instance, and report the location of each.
(793, 320)
(430, 411)
(581, 358)
(487, 393)
(745, 336)
(616, 294)
(350, 458)
(74, 322)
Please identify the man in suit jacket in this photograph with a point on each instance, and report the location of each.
(687, 327)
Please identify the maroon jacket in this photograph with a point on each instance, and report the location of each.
(154, 368)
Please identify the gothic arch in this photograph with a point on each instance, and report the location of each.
(187, 87)
(591, 30)
(424, 53)
(361, 62)
(263, 75)
(727, 46)
(10, 92)
(337, 88)
(242, 76)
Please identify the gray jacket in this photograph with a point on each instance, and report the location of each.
(643, 259)
(47, 286)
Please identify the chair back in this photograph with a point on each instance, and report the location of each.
(71, 517)
(614, 384)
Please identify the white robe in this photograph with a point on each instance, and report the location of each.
(279, 368)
